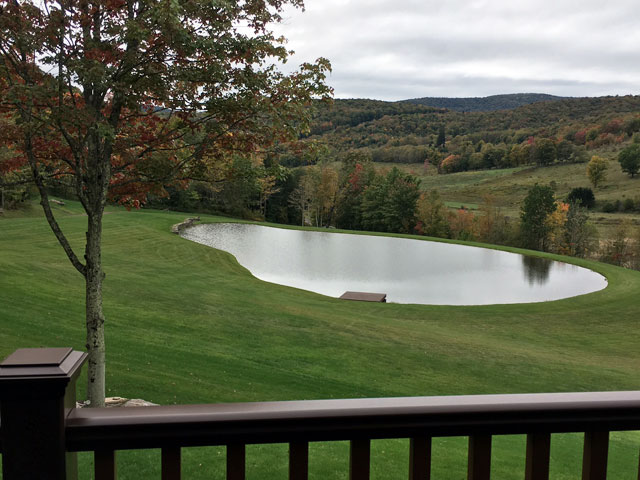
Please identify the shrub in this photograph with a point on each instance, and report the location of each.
(628, 205)
(611, 206)
(583, 196)
(451, 164)
(632, 125)
(580, 137)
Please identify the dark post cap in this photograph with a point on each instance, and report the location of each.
(50, 367)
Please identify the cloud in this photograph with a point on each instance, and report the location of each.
(410, 48)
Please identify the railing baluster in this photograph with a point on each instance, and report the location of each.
(104, 464)
(299, 461)
(420, 458)
(479, 466)
(236, 462)
(360, 460)
(538, 451)
(477, 417)
(171, 464)
(596, 453)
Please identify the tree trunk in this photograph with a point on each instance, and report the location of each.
(94, 315)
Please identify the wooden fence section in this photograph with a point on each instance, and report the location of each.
(171, 428)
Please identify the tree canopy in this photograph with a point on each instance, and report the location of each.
(582, 196)
(629, 159)
(597, 170)
(536, 208)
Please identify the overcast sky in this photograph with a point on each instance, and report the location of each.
(399, 49)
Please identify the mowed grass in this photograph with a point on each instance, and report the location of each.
(188, 324)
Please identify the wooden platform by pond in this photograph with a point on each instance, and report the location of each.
(364, 296)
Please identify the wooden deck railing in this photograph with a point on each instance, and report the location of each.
(170, 428)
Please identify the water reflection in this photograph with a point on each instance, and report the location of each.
(536, 269)
(407, 270)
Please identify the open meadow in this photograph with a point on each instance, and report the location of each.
(508, 187)
(188, 324)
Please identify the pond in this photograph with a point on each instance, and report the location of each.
(407, 270)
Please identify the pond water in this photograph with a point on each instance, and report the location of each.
(407, 270)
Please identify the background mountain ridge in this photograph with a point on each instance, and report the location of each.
(491, 103)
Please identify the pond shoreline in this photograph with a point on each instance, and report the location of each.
(412, 271)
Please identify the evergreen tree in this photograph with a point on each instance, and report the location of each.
(389, 204)
(582, 196)
(538, 205)
(440, 142)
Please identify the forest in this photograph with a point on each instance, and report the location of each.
(477, 140)
(339, 173)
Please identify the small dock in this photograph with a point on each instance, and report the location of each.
(364, 297)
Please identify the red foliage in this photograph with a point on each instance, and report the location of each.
(145, 100)
(356, 180)
(580, 137)
(450, 164)
(614, 126)
(462, 224)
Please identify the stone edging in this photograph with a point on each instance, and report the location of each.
(188, 222)
(112, 402)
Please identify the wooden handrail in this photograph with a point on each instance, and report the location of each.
(328, 420)
(37, 387)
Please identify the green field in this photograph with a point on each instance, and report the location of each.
(188, 324)
(509, 186)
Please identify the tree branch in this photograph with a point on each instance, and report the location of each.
(46, 206)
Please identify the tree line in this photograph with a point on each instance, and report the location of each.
(355, 195)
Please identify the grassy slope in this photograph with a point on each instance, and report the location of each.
(187, 324)
(509, 186)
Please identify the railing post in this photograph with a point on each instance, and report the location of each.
(37, 391)
(171, 463)
(595, 456)
(236, 461)
(360, 459)
(479, 463)
(299, 461)
(538, 454)
(104, 465)
(420, 458)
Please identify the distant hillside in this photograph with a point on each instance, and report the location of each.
(485, 104)
(404, 132)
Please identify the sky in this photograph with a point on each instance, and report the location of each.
(400, 49)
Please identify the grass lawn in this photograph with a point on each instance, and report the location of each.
(188, 324)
